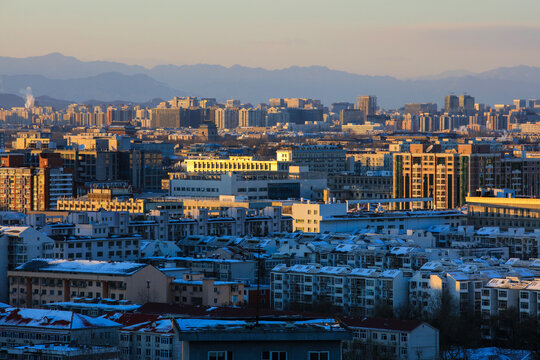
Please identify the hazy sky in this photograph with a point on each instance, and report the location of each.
(376, 37)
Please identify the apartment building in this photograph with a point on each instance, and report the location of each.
(356, 187)
(16, 189)
(103, 199)
(150, 338)
(225, 118)
(465, 290)
(98, 141)
(160, 225)
(119, 200)
(213, 339)
(391, 339)
(365, 254)
(448, 177)
(62, 352)
(41, 281)
(520, 243)
(329, 159)
(421, 174)
(108, 248)
(219, 269)
(352, 290)
(195, 289)
(22, 326)
(503, 212)
(19, 244)
(251, 118)
(505, 295)
(335, 217)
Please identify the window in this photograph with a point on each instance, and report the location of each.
(274, 355)
(220, 355)
(318, 355)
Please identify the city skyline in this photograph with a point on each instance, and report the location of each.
(389, 38)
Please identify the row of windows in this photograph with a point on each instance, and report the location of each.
(269, 355)
(35, 336)
(78, 245)
(148, 338)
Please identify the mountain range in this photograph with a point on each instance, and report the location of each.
(65, 77)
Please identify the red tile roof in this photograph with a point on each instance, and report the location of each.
(128, 319)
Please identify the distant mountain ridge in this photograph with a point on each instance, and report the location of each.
(102, 87)
(66, 77)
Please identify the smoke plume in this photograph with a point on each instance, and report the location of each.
(29, 98)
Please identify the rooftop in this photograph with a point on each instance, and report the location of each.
(381, 323)
(82, 266)
(55, 319)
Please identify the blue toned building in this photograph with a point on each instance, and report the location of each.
(212, 339)
(271, 340)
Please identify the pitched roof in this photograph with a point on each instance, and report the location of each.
(163, 326)
(56, 319)
(128, 319)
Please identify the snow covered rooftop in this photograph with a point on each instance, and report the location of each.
(82, 266)
(194, 325)
(55, 319)
(162, 326)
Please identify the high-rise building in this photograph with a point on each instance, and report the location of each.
(176, 117)
(520, 104)
(496, 121)
(251, 118)
(466, 103)
(448, 177)
(232, 103)
(351, 116)
(422, 174)
(24, 189)
(417, 109)
(337, 107)
(184, 102)
(277, 102)
(367, 103)
(451, 103)
(226, 118)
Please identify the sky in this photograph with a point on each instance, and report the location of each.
(378, 37)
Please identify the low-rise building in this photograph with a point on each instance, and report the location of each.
(330, 159)
(22, 326)
(220, 269)
(151, 339)
(62, 352)
(18, 244)
(233, 163)
(195, 289)
(110, 248)
(352, 291)
(255, 185)
(503, 212)
(42, 281)
(391, 339)
(335, 217)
